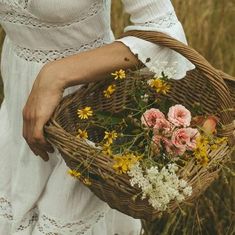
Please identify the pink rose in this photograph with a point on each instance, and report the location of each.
(162, 125)
(193, 135)
(179, 151)
(180, 138)
(184, 139)
(168, 145)
(150, 116)
(179, 115)
(156, 143)
(171, 149)
(157, 139)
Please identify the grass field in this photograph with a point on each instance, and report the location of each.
(209, 26)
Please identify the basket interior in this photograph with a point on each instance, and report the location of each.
(189, 91)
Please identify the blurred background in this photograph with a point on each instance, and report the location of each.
(210, 29)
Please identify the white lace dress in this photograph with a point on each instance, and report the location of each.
(38, 197)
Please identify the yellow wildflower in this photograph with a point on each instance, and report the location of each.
(159, 85)
(155, 82)
(74, 173)
(109, 91)
(221, 140)
(85, 113)
(197, 151)
(202, 140)
(214, 147)
(124, 162)
(82, 134)
(203, 161)
(121, 74)
(164, 89)
(121, 165)
(106, 149)
(132, 158)
(201, 150)
(110, 136)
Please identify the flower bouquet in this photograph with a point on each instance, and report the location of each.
(143, 142)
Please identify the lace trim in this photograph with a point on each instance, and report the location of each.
(23, 19)
(28, 221)
(43, 56)
(5, 209)
(48, 225)
(165, 21)
(15, 3)
(12, 3)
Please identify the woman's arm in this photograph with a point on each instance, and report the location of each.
(92, 65)
(155, 15)
(55, 76)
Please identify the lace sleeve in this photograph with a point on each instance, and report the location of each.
(156, 15)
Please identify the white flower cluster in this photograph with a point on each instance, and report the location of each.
(163, 66)
(160, 187)
(145, 97)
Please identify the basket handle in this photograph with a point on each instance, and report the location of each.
(213, 76)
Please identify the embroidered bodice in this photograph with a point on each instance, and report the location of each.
(43, 31)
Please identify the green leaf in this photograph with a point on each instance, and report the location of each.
(110, 118)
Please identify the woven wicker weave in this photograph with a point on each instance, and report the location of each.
(204, 85)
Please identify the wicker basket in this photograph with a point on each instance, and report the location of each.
(204, 84)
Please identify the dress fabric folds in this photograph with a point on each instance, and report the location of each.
(38, 197)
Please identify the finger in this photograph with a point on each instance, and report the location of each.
(36, 145)
(39, 152)
(42, 148)
(39, 138)
(34, 137)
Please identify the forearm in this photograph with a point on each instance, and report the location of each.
(93, 65)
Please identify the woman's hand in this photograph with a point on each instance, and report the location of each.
(42, 101)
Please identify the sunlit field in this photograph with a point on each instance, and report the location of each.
(210, 29)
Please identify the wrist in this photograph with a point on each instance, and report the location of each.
(70, 71)
(60, 73)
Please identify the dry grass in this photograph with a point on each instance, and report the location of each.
(209, 26)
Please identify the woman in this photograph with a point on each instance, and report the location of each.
(51, 46)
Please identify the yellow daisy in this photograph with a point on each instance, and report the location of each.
(124, 162)
(163, 89)
(85, 113)
(82, 134)
(159, 85)
(154, 83)
(106, 149)
(110, 136)
(120, 165)
(109, 91)
(121, 74)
